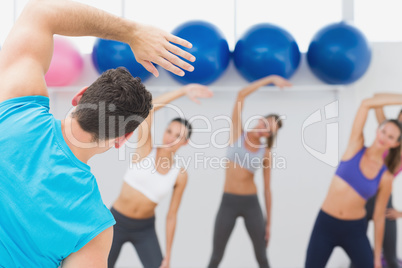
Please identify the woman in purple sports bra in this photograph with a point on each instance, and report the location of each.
(390, 233)
(246, 154)
(361, 174)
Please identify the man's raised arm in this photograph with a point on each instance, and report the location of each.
(28, 49)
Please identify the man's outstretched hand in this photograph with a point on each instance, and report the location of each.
(152, 45)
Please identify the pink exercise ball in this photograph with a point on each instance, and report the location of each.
(66, 65)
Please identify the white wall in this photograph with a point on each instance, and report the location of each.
(6, 18)
(298, 190)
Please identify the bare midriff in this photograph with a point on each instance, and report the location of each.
(343, 202)
(134, 204)
(239, 180)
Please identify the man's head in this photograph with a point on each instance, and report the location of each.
(113, 106)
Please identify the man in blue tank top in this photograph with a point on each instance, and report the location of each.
(50, 205)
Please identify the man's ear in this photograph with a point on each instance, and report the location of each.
(78, 96)
(121, 140)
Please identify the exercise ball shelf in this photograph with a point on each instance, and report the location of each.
(232, 89)
(235, 89)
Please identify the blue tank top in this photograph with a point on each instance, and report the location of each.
(238, 154)
(50, 204)
(350, 172)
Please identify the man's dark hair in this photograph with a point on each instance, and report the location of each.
(185, 123)
(114, 105)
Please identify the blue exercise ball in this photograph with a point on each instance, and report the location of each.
(109, 54)
(339, 54)
(210, 49)
(266, 49)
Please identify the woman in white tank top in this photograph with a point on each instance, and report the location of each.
(152, 175)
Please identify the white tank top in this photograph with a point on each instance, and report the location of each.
(144, 177)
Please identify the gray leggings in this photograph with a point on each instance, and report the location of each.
(233, 206)
(389, 244)
(141, 233)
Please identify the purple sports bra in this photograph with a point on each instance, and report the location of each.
(350, 172)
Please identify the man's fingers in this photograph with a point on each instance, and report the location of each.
(178, 62)
(149, 67)
(169, 66)
(180, 52)
(177, 40)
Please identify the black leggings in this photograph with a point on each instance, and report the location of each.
(330, 232)
(389, 244)
(233, 206)
(141, 233)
